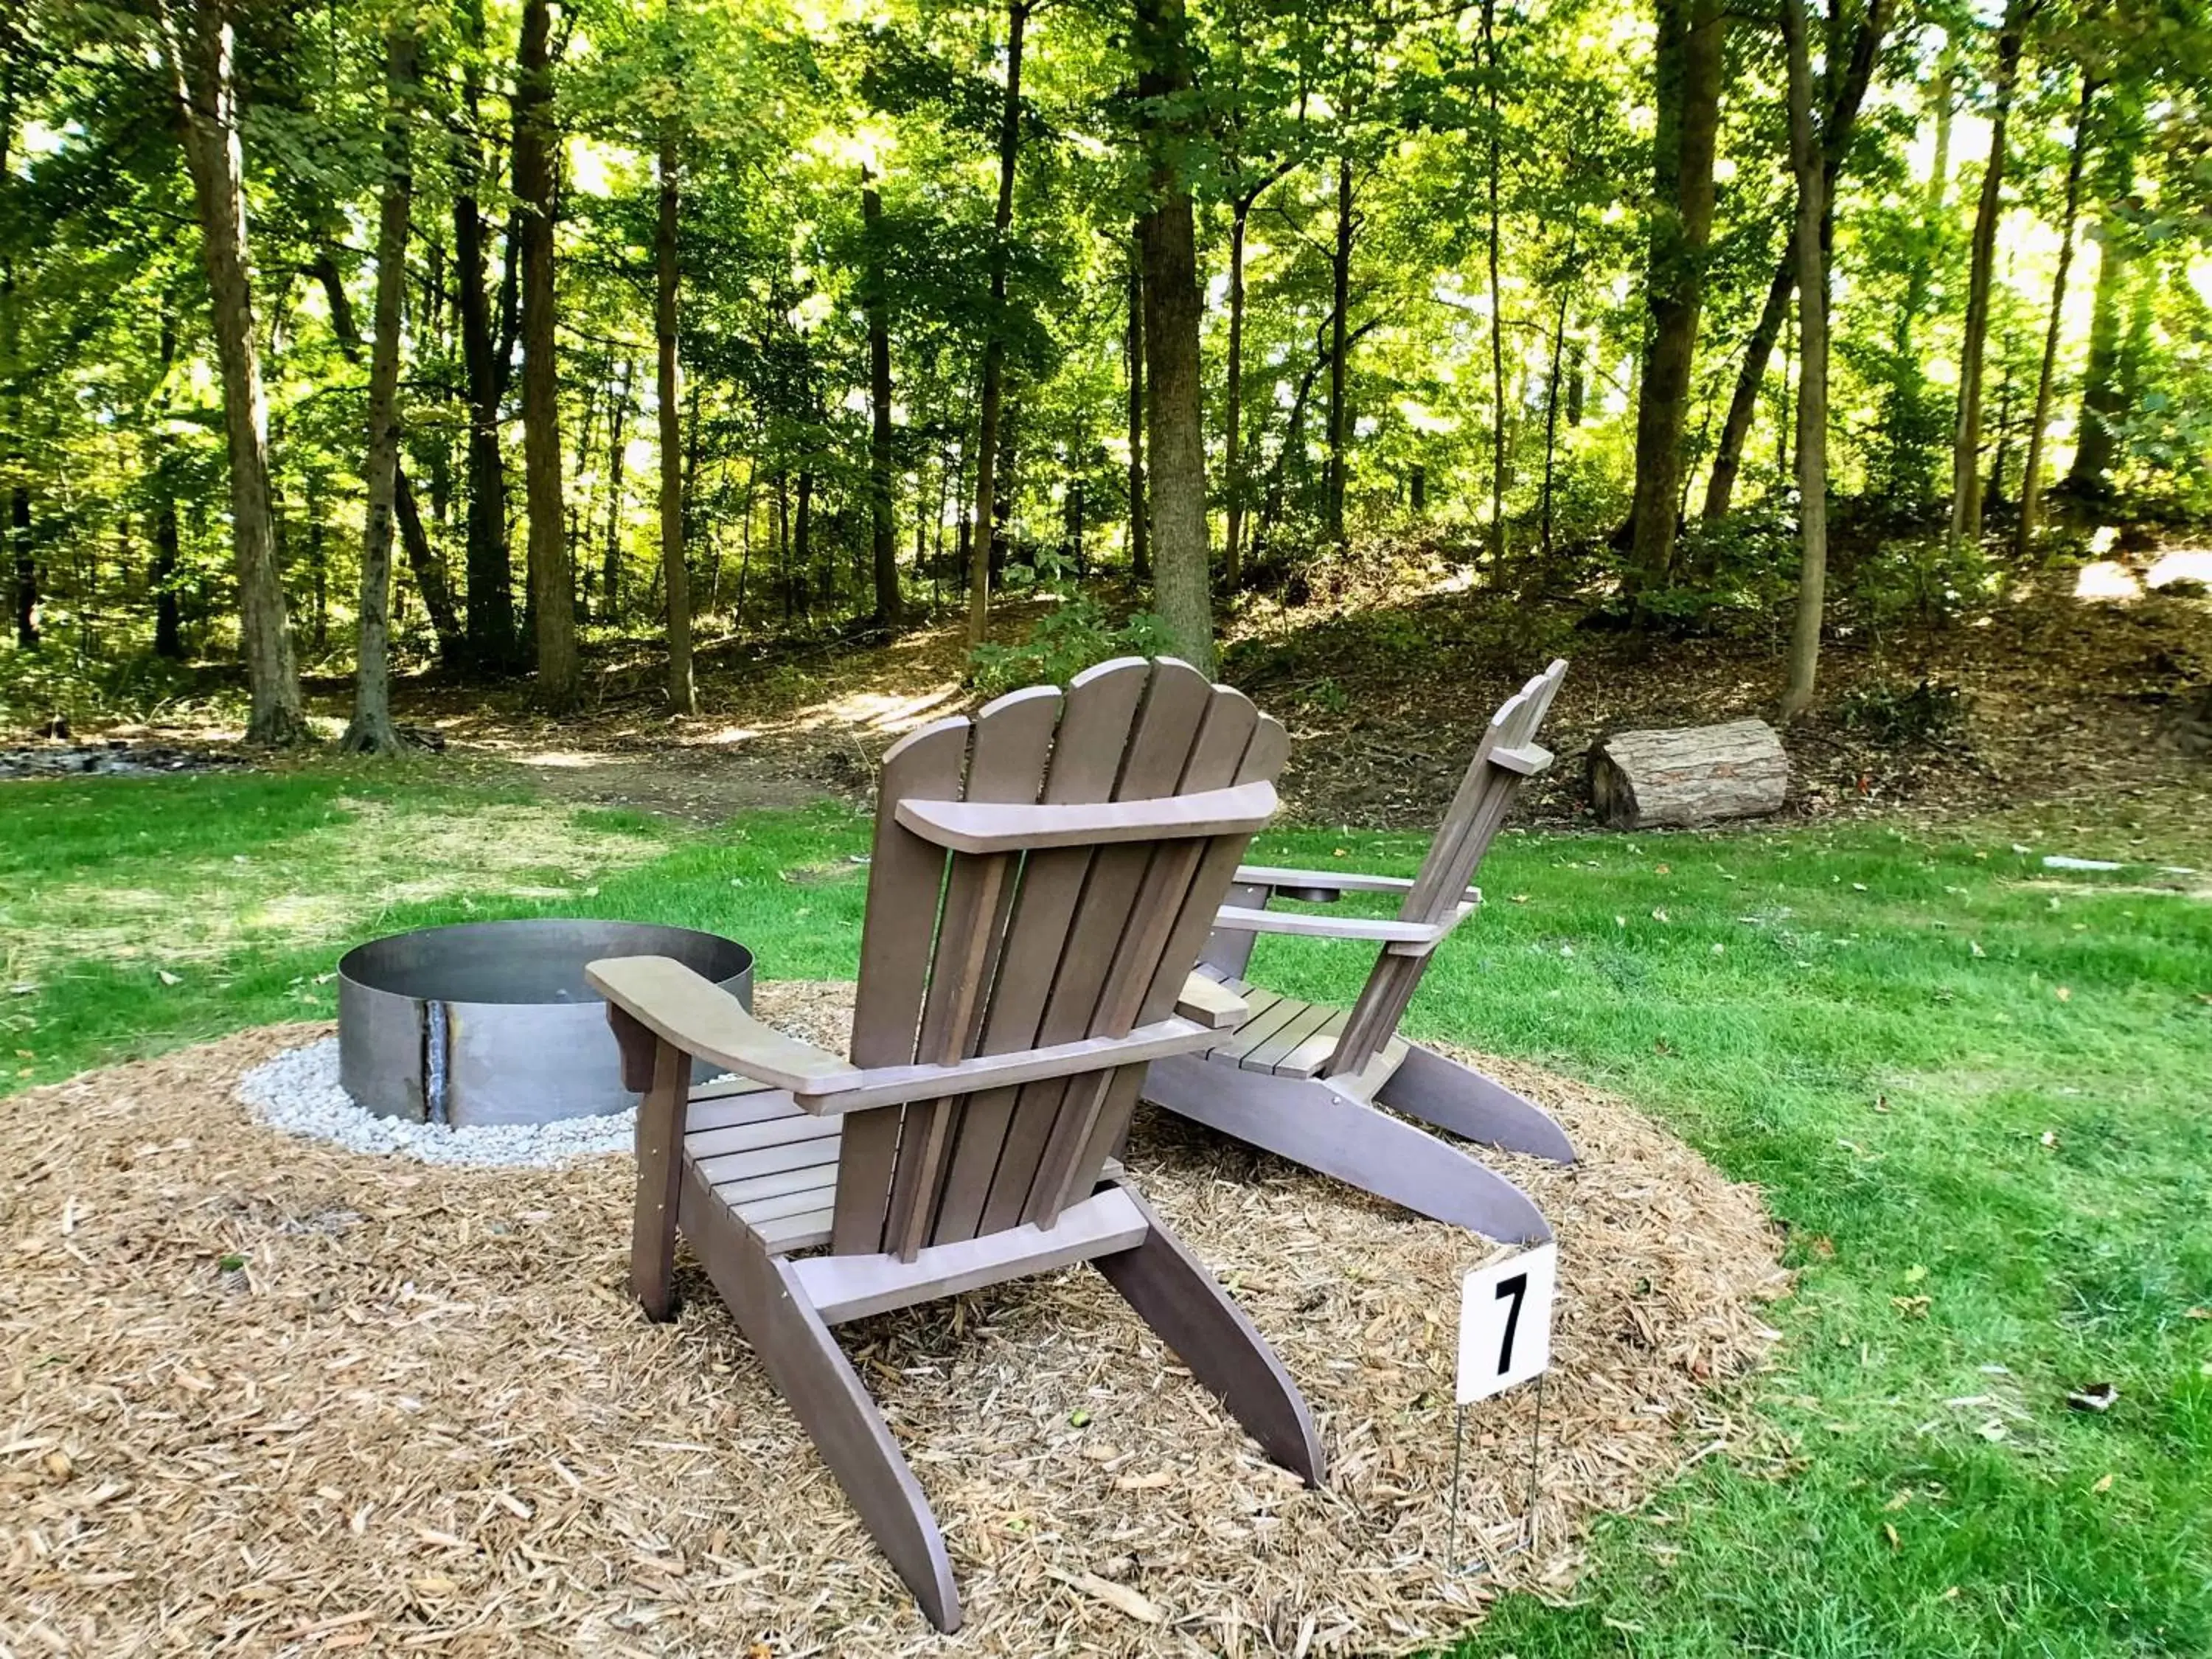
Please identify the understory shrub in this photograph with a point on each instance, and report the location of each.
(1893, 713)
(1065, 641)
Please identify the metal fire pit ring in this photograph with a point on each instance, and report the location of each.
(491, 1022)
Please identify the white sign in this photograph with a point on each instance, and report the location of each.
(1505, 1322)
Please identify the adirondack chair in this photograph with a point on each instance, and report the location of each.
(1304, 1080)
(1042, 879)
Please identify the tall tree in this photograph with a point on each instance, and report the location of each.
(1339, 354)
(882, 550)
(1235, 484)
(552, 583)
(994, 337)
(197, 46)
(1140, 546)
(1499, 458)
(485, 356)
(1967, 449)
(668, 396)
(1845, 93)
(1161, 45)
(2103, 401)
(161, 472)
(1807, 162)
(1687, 87)
(2031, 481)
(372, 731)
(15, 463)
(1905, 394)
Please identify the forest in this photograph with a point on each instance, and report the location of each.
(369, 336)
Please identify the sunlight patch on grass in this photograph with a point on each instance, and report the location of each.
(372, 856)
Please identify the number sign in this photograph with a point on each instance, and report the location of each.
(1505, 1322)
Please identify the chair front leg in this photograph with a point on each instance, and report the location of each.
(662, 1073)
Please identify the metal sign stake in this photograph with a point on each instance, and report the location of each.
(1505, 1340)
(1527, 1539)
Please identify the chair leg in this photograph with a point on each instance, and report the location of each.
(1175, 1294)
(814, 1378)
(1457, 1098)
(659, 1143)
(1311, 1124)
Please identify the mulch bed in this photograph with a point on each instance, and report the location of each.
(258, 1394)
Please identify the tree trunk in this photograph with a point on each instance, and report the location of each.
(22, 547)
(618, 457)
(24, 556)
(1497, 456)
(1966, 450)
(2031, 481)
(1687, 90)
(372, 732)
(2102, 401)
(668, 396)
(491, 633)
(802, 540)
(1340, 350)
(1813, 369)
(882, 527)
(994, 343)
(422, 558)
(1840, 116)
(552, 584)
(1552, 402)
(1908, 383)
(1743, 403)
(1180, 589)
(1141, 545)
(197, 41)
(168, 614)
(1232, 457)
(427, 566)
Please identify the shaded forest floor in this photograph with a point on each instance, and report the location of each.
(2050, 701)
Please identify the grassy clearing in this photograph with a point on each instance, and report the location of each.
(1974, 1090)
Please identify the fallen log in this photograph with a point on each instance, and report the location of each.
(1688, 776)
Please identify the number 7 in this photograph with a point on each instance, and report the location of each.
(1517, 1288)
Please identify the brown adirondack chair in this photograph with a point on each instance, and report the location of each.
(1304, 1080)
(1043, 877)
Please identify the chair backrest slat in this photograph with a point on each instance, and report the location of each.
(1023, 949)
(906, 876)
(1101, 707)
(1477, 812)
(1238, 745)
(1160, 739)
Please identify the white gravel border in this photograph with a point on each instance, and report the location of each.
(299, 1093)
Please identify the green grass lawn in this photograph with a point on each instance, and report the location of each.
(1977, 1093)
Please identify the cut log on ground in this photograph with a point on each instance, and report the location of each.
(1689, 775)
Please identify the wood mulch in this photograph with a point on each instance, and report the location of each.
(261, 1396)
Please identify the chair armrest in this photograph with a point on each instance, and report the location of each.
(977, 826)
(894, 1085)
(1326, 886)
(1210, 1003)
(1405, 938)
(707, 1022)
(703, 1020)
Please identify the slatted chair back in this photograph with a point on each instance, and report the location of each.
(1507, 756)
(969, 953)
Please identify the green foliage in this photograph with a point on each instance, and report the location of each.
(1916, 578)
(1896, 714)
(1069, 638)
